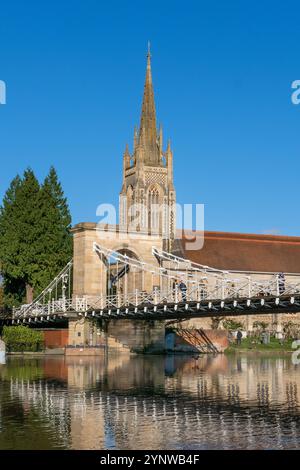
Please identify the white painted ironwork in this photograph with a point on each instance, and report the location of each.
(55, 297)
(173, 280)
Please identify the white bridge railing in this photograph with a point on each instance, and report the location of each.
(225, 291)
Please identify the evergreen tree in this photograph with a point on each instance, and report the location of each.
(56, 224)
(8, 235)
(35, 240)
(18, 236)
(12, 290)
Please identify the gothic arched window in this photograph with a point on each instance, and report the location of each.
(154, 216)
(130, 198)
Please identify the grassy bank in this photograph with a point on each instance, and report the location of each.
(253, 344)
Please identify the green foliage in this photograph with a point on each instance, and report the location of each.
(1, 298)
(291, 330)
(253, 344)
(55, 226)
(35, 240)
(260, 325)
(232, 325)
(22, 338)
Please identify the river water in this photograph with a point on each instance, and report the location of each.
(150, 402)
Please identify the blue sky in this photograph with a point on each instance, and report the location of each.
(222, 74)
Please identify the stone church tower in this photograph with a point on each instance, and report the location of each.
(147, 197)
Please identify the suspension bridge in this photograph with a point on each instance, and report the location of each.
(170, 288)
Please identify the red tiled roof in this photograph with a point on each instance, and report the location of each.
(244, 252)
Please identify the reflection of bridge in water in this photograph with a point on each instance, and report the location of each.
(174, 288)
(212, 402)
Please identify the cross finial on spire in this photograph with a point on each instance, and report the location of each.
(149, 51)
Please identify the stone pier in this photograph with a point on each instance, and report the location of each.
(2, 352)
(138, 336)
(90, 281)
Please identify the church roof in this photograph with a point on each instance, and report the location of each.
(243, 252)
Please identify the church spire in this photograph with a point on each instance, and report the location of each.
(148, 134)
(148, 175)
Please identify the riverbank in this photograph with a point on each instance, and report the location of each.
(252, 345)
(248, 345)
(46, 352)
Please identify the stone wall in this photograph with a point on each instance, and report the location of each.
(122, 335)
(197, 340)
(139, 336)
(274, 321)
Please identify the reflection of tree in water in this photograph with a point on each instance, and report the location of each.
(26, 369)
(30, 417)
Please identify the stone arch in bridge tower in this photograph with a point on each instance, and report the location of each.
(130, 248)
(122, 282)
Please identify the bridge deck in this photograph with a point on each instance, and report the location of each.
(165, 311)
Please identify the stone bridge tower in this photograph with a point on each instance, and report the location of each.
(147, 197)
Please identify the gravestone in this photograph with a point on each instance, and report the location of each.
(2, 352)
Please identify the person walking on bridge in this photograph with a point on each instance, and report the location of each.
(183, 288)
(281, 283)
